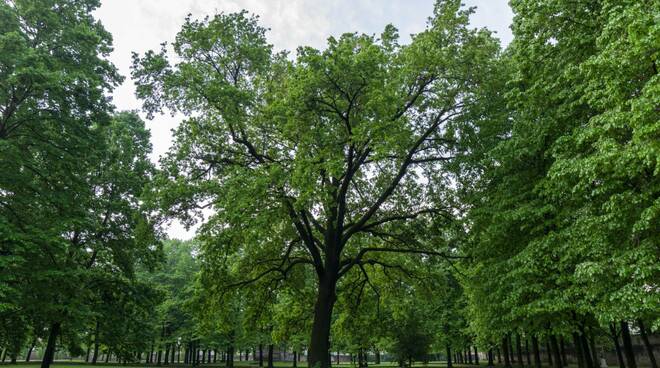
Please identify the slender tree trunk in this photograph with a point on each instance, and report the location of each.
(592, 347)
(261, 355)
(295, 359)
(529, 355)
(548, 351)
(449, 363)
(377, 357)
(490, 358)
(519, 350)
(499, 356)
(512, 357)
(476, 355)
(647, 344)
(96, 343)
(615, 339)
(578, 349)
(270, 355)
(319, 346)
(49, 354)
(537, 353)
(34, 342)
(167, 354)
(562, 348)
(230, 357)
(89, 351)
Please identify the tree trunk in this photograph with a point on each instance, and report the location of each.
(499, 356)
(577, 344)
(319, 346)
(377, 358)
(510, 346)
(505, 348)
(594, 352)
(261, 355)
(476, 355)
(615, 339)
(562, 348)
(167, 354)
(34, 342)
(270, 355)
(295, 359)
(555, 350)
(519, 350)
(529, 355)
(537, 353)
(230, 357)
(49, 354)
(647, 345)
(449, 365)
(490, 358)
(586, 351)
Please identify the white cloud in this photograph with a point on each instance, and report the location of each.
(140, 25)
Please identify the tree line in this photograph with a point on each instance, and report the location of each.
(371, 197)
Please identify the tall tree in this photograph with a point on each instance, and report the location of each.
(329, 151)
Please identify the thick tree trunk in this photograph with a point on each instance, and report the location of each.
(505, 348)
(319, 347)
(647, 344)
(476, 355)
(555, 350)
(270, 355)
(577, 344)
(49, 354)
(537, 353)
(615, 339)
(230, 357)
(295, 359)
(586, 351)
(377, 358)
(167, 354)
(490, 358)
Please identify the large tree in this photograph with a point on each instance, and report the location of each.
(325, 159)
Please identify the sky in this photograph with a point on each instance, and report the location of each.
(141, 25)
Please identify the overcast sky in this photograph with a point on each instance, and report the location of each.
(140, 25)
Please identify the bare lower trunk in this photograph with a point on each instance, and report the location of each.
(319, 347)
(615, 339)
(647, 344)
(49, 354)
(537, 353)
(270, 356)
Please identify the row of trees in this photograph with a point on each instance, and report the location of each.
(372, 197)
